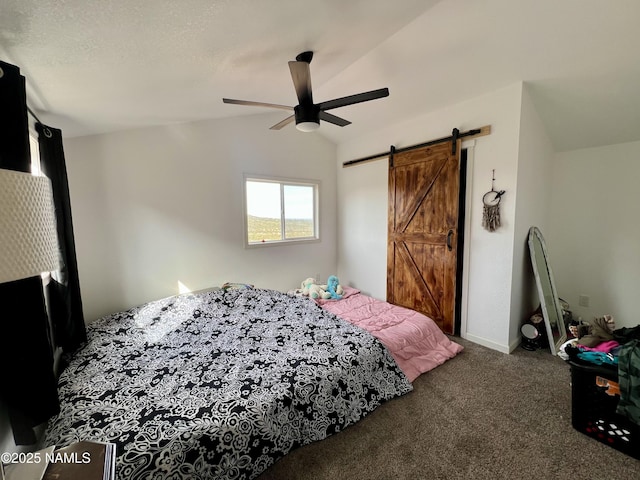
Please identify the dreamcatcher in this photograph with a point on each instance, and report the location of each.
(491, 209)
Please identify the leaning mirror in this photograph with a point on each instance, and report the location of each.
(549, 300)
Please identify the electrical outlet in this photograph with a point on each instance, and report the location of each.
(583, 300)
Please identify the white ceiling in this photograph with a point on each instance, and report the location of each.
(95, 66)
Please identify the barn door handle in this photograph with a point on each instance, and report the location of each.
(449, 235)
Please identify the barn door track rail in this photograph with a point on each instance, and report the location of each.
(455, 135)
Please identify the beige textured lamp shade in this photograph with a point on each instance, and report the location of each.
(28, 237)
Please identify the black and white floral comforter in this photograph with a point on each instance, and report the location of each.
(219, 385)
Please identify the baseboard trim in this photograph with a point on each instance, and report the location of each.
(487, 343)
(515, 344)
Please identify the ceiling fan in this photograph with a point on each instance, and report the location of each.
(307, 114)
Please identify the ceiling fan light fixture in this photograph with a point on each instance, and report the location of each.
(307, 126)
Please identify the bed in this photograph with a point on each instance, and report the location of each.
(414, 340)
(219, 384)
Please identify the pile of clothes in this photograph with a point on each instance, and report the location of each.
(593, 342)
(600, 343)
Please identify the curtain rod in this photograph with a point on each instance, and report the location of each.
(33, 115)
(478, 132)
(45, 129)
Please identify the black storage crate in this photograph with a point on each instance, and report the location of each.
(594, 397)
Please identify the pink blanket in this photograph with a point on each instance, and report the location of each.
(413, 339)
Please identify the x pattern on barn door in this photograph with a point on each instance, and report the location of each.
(422, 236)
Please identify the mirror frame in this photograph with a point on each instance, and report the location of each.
(554, 341)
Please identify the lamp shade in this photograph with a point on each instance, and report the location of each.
(28, 236)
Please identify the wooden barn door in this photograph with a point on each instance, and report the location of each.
(422, 235)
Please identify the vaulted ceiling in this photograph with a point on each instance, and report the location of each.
(95, 66)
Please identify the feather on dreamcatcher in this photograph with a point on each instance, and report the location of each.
(491, 207)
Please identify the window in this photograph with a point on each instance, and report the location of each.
(34, 146)
(280, 210)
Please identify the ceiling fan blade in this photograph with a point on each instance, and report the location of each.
(256, 104)
(351, 99)
(283, 123)
(327, 117)
(301, 75)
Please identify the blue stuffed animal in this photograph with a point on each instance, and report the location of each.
(334, 288)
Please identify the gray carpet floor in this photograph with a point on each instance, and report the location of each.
(481, 415)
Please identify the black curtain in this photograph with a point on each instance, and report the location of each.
(28, 387)
(14, 147)
(65, 303)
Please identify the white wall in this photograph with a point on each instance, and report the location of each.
(535, 168)
(157, 206)
(362, 207)
(595, 232)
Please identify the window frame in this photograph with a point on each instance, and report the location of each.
(282, 182)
